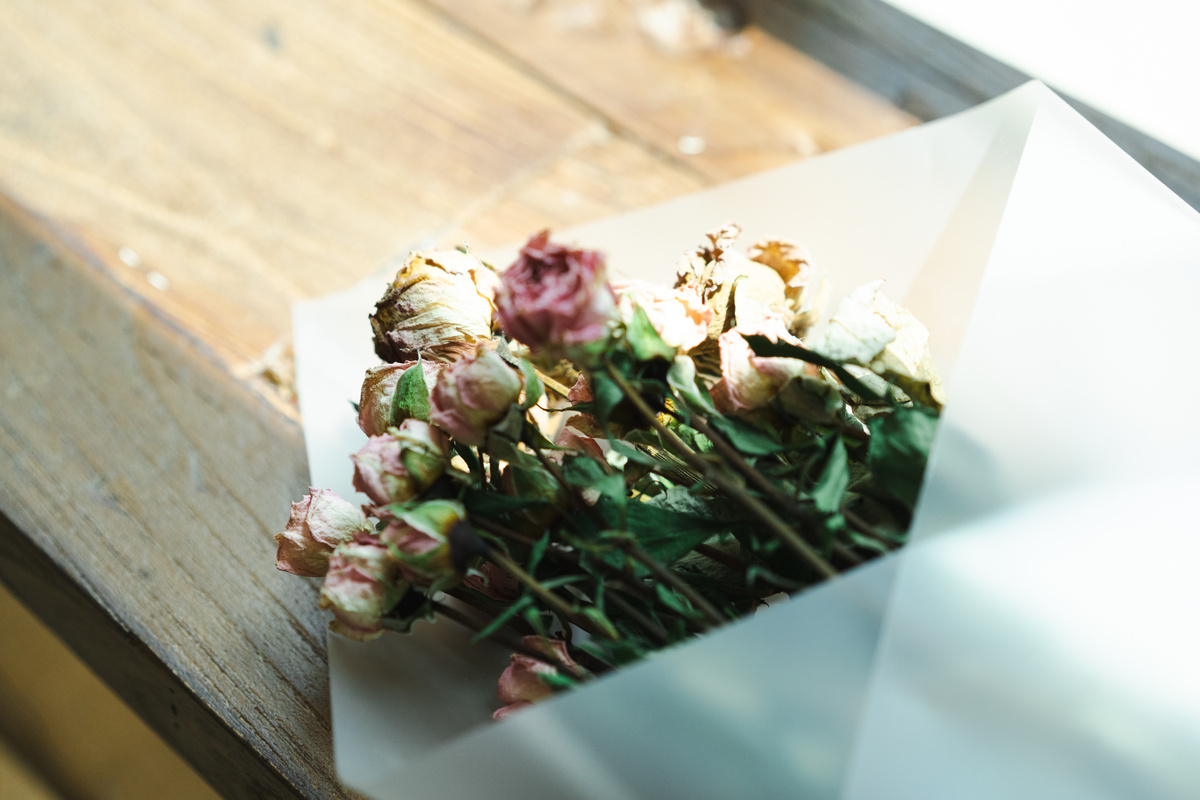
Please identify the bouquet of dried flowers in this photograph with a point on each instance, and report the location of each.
(590, 471)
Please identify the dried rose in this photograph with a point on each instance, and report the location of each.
(791, 262)
(735, 289)
(318, 524)
(439, 306)
(679, 316)
(400, 464)
(520, 684)
(472, 395)
(492, 581)
(361, 586)
(379, 390)
(432, 550)
(871, 331)
(553, 297)
(748, 381)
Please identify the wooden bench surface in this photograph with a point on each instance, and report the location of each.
(176, 174)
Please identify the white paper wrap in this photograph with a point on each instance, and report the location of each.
(1040, 637)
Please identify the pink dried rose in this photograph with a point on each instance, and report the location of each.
(553, 297)
(680, 316)
(748, 381)
(472, 395)
(520, 684)
(318, 524)
(424, 544)
(379, 390)
(363, 583)
(439, 306)
(401, 464)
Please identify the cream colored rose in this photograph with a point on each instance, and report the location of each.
(871, 331)
(440, 305)
(678, 315)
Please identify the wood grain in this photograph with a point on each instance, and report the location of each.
(756, 103)
(251, 154)
(141, 488)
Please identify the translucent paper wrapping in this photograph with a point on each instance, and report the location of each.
(1041, 635)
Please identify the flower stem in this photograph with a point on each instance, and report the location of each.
(730, 453)
(452, 613)
(556, 603)
(727, 484)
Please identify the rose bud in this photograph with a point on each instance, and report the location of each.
(553, 297)
(362, 585)
(433, 544)
(318, 524)
(439, 305)
(492, 581)
(472, 395)
(379, 390)
(679, 316)
(749, 381)
(519, 684)
(400, 465)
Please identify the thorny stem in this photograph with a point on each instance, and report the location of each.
(724, 482)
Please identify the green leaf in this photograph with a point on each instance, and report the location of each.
(674, 601)
(411, 400)
(763, 346)
(434, 517)
(831, 486)
(536, 552)
(587, 473)
(606, 396)
(632, 453)
(683, 379)
(489, 504)
(745, 437)
(664, 533)
(899, 450)
(601, 619)
(533, 385)
(645, 341)
(502, 618)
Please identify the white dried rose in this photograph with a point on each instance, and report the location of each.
(871, 331)
(440, 306)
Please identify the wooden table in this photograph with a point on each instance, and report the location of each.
(176, 174)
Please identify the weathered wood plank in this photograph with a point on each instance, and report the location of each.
(140, 489)
(606, 175)
(756, 104)
(251, 154)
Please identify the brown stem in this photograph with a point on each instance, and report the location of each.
(724, 482)
(452, 613)
(676, 582)
(556, 603)
(760, 481)
(650, 626)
